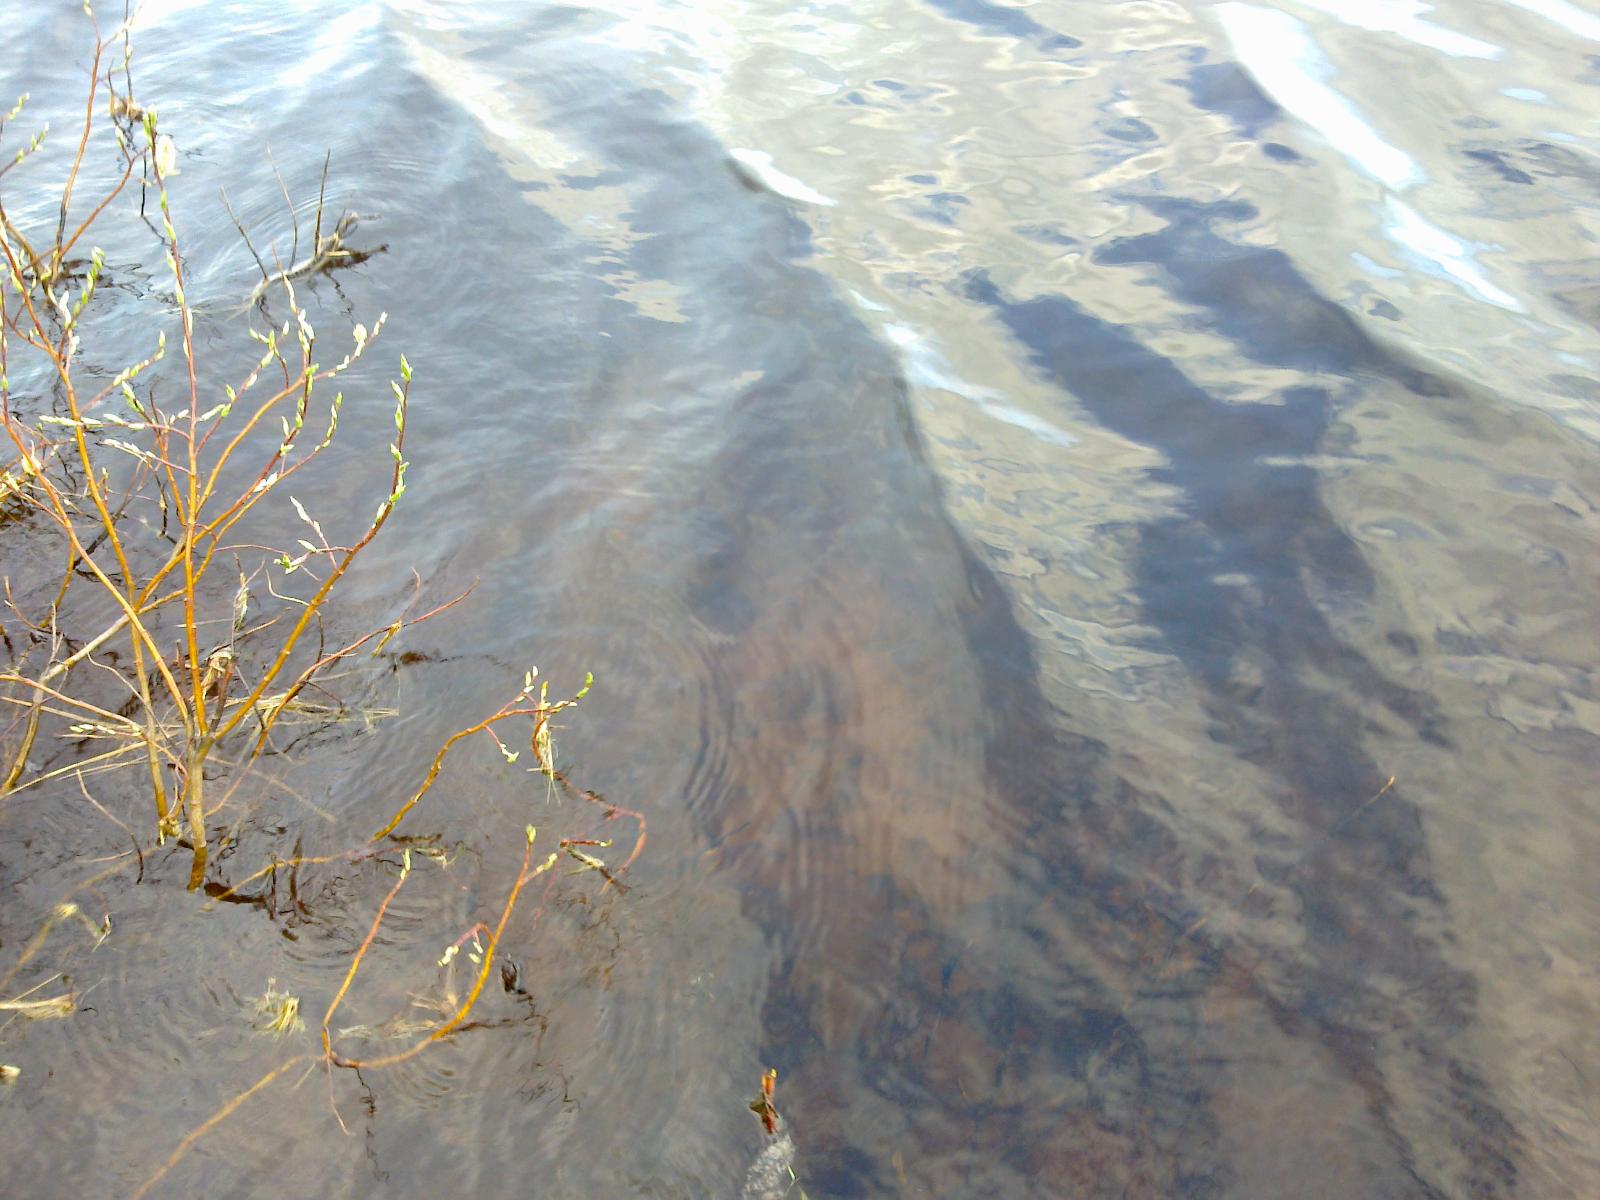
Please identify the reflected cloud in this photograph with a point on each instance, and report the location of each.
(153, 12)
(756, 167)
(1282, 56)
(926, 367)
(1567, 15)
(1448, 254)
(1276, 49)
(332, 46)
(1402, 17)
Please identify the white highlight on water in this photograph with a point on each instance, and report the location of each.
(1403, 17)
(1451, 256)
(333, 43)
(1281, 54)
(1277, 51)
(926, 367)
(1567, 15)
(758, 163)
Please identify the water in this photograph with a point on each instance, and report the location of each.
(1024, 478)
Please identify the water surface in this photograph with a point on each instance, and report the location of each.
(1025, 477)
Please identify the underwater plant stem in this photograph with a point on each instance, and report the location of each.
(216, 1118)
(524, 876)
